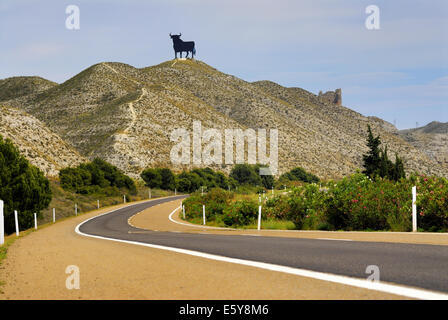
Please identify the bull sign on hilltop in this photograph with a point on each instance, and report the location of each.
(182, 46)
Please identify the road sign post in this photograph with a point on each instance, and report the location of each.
(35, 220)
(183, 211)
(203, 214)
(54, 215)
(414, 209)
(17, 222)
(259, 218)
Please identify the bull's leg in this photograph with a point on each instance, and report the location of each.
(188, 52)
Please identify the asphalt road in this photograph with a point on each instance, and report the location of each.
(417, 265)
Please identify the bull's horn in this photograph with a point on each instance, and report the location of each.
(170, 34)
(180, 34)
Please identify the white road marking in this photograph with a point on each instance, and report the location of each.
(344, 280)
(334, 239)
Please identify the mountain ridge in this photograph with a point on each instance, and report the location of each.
(125, 115)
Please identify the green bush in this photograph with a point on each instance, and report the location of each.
(299, 174)
(152, 178)
(432, 203)
(218, 195)
(277, 208)
(97, 176)
(23, 187)
(240, 213)
(246, 174)
(356, 202)
(193, 207)
(304, 203)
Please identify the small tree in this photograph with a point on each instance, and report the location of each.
(23, 187)
(377, 163)
(372, 159)
(246, 174)
(398, 170)
(152, 178)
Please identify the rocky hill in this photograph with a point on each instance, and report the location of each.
(432, 139)
(16, 87)
(42, 147)
(125, 115)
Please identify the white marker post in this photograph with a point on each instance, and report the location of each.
(2, 223)
(272, 190)
(175, 191)
(414, 209)
(149, 193)
(203, 213)
(98, 203)
(124, 198)
(202, 192)
(17, 222)
(76, 209)
(183, 211)
(54, 215)
(35, 220)
(259, 218)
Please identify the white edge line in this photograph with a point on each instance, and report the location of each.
(360, 283)
(334, 239)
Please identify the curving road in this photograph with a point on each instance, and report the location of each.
(415, 265)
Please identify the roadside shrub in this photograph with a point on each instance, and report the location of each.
(432, 203)
(240, 213)
(305, 202)
(246, 174)
(23, 187)
(218, 195)
(277, 208)
(152, 178)
(97, 176)
(299, 174)
(193, 207)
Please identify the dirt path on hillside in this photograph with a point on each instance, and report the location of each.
(160, 221)
(35, 269)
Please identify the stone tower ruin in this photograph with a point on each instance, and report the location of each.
(332, 97)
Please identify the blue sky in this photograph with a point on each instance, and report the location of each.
(398, 73)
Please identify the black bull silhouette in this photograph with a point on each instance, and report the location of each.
(182, 46)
